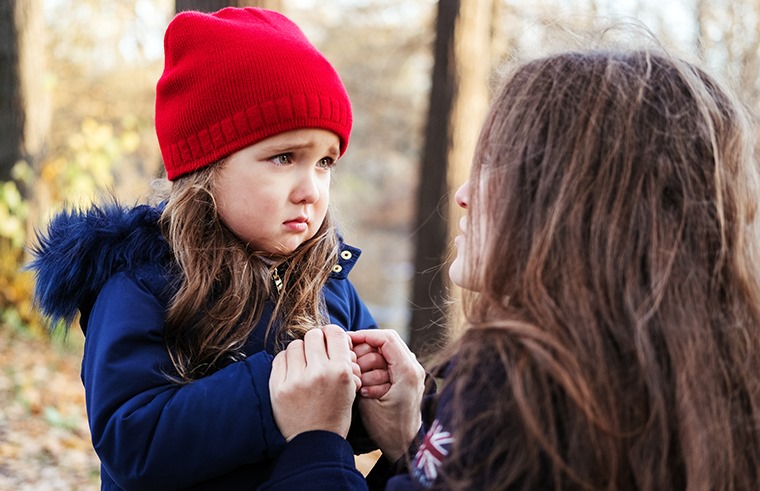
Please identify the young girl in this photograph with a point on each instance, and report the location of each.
(614, 339)
(184, 305)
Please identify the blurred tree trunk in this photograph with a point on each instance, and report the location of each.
(24, 103)
(11, 104)
(458, 102)
(214, 5)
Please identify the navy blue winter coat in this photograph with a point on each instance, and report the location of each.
(113, 266)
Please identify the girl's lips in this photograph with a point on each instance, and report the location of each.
(296, 225)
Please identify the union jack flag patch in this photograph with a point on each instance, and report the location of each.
(430, 455)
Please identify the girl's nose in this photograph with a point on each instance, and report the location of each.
(463, 194)
(307, 188)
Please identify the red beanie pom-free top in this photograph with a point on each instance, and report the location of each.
(236, 77)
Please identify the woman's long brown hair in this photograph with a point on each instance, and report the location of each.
(223, 286)
(615, 342)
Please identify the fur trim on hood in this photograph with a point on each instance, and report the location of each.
(82, 249)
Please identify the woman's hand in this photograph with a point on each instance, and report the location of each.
(394, 418)
(374, 371)
(314, 382)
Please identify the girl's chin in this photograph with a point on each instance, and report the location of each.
(282, 249)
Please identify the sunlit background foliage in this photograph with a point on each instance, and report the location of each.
(93, 70)
(102, 59)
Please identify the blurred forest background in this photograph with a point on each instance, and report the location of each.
(77, 81)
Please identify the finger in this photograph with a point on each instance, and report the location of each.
(314, 346)
(375, 377)
(372, 361)
(279, 362)
(339, 350)
(338, 347)
(357, 373)
(375, 338)
(334, 328)
(279, 368)
(363, 348)
(295, 358)
(387, 341)
(403, 366)
(374, 391)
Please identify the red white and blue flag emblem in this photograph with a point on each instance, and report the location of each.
(430, 455)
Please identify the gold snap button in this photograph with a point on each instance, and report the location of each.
(337, 268)
(345, 254)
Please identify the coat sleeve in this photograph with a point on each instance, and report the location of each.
(323, 461)
(150, 432)
(317, 461)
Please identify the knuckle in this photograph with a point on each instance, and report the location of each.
(296, 344)
(345, 376)
(312, 333)
(333, 329)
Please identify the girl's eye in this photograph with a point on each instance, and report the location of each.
(326, 163)
(282, 159)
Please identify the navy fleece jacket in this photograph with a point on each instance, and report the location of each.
(112, 265)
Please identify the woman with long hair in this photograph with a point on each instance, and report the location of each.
(612, 336)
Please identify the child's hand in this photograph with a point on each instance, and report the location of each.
(374, 371)
(313, 383)
(394, 419)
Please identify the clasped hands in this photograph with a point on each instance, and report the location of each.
(315, 381)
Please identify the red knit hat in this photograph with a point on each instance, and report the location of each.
(236, 77)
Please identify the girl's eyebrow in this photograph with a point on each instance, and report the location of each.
(333, 152)
(286, 147)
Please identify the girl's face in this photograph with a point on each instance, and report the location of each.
(274, 194)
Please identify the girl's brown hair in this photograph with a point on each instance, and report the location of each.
(615, 340)
(224, 287)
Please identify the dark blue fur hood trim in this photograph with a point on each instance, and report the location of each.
(82, 249)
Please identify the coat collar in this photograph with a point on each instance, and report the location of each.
(81, 249)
